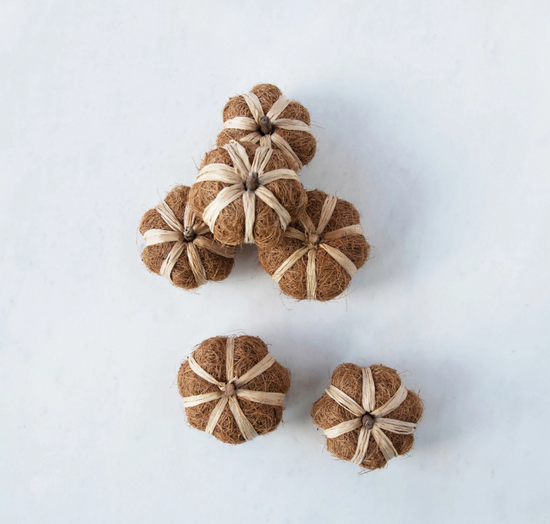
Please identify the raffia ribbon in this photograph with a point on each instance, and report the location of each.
(177, 234)
(237, 177)
(312, 239)
(231, 390)
(254, 125)
(370, 420)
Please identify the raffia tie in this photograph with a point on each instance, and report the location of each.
(189, 233)
(247, 181)
(313, 238)
(231, 390)
(254, 125)
(370, 420)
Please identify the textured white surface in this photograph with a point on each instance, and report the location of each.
(433, 118)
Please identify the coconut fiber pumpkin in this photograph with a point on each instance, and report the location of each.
(247, 193)
(368, 415)
(180, 247)
(320, 252)
(233, 388)
(267, 117)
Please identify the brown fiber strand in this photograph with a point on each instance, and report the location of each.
(217, 267)
(301, 142)
(210, 355)
(327, 413)
(332, 278)
(230, 225)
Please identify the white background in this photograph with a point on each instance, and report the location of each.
(433, 118)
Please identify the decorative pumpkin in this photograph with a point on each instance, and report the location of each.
(321, 251)
(180, 247)
(267, 117)
(247, 193)
(368, 415)
(233, 388)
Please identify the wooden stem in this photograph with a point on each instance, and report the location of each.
(368, 421)
(189, 234)
(266, 127)
(252, 182)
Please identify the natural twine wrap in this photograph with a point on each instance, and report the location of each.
(369, 417)
(231, 391)
(247, 181)
(315, 238)
(188, 236)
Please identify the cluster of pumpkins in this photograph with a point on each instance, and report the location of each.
(234, 389)
(248, 190)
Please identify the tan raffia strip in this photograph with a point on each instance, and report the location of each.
(196, 400)
(310, 249)
(343, 427)
(230, 359)
(236, 176)
(203, 374)
(253, 124)
(246, 428)
(345, 401)
(159, 236)
(379, 422)
(244, 425)
(261, 397)
(215, 415)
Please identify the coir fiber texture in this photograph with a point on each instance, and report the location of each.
(229, 227)
(327, 413)
(211, 355)
(332, 278)
(301, 142)
(217, 267)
